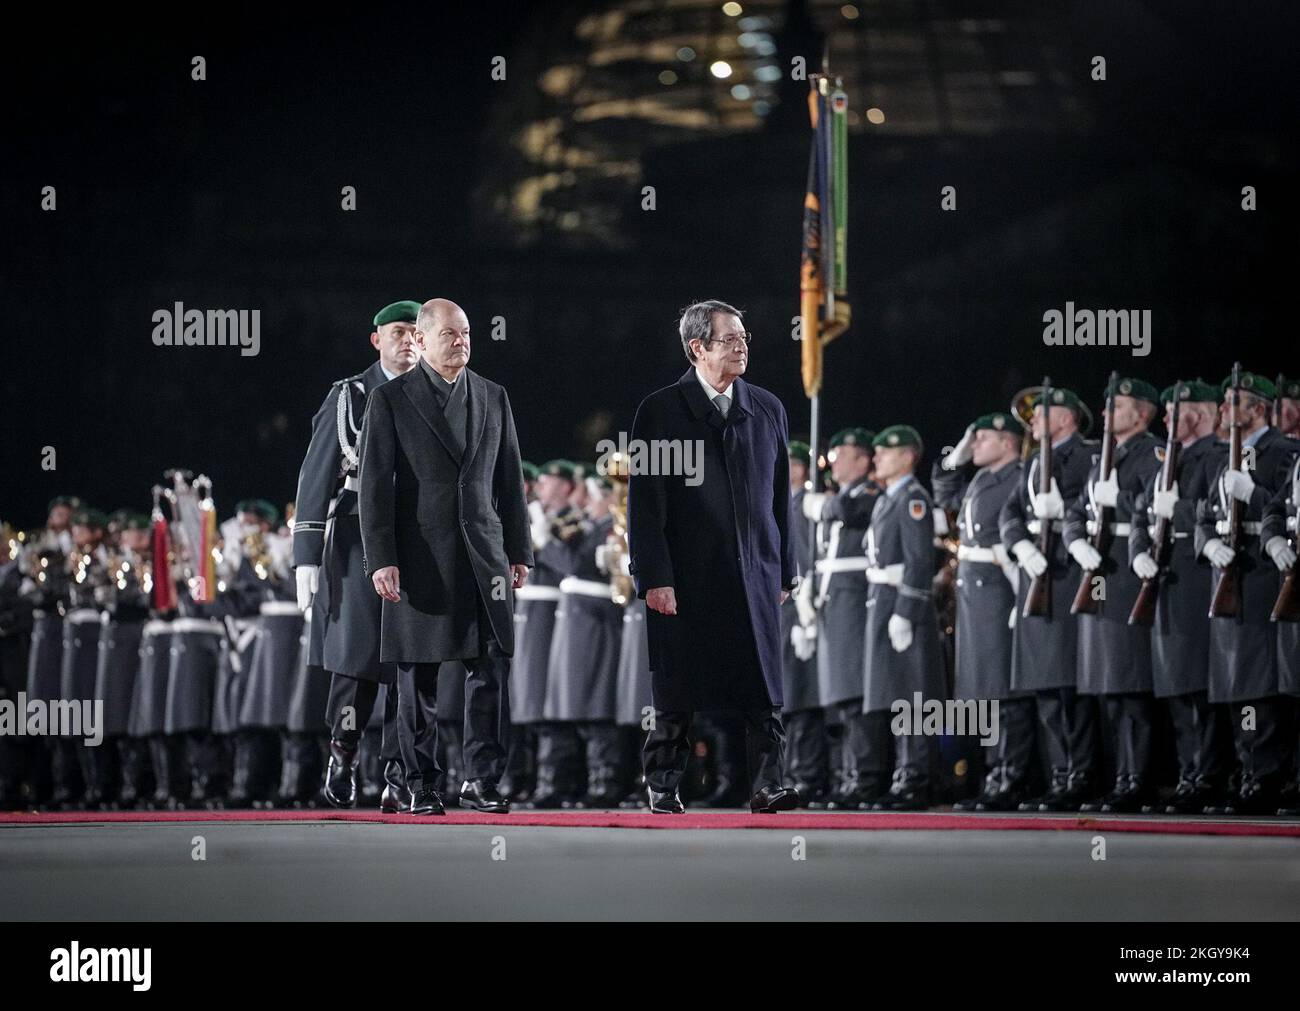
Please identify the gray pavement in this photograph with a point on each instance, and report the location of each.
(341, 870)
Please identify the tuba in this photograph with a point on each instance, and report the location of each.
(622, 590)
(1022, 407)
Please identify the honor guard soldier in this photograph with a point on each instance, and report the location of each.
(1180, 580)
(1287, 400)
(1278, 534)
(329, 566)
(974, 481)
(15, 641)
(44, 565)
(1045, 643)
(126, 609)
(838, 591)
(1243, 641)
(1115, 657)
(89, 574)
(807, 761)
(582, 673)
(554, 525)
(902, 634)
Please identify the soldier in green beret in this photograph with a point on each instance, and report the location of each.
(1180, 636)
(1244, 665)
(344, 627)
(1287, 420)
(1114, 665)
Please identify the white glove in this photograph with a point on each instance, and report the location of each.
(538, 525)
(804, 641)
(1145, 566)
(602, 557)
(1281, 553)
(1011, 619)
(1050, 506)
(962, 452)
(813, 503)
(1164, 501)
(1030, 558)
(900, 632)
(1219, 554)
(1106, 493)
(1239, 484)
(1086, 555)
(307, 577)
(803, 602)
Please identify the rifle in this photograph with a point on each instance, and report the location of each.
(1227, 595)
(1038, 601)
(1144, 608)
(1275, 419)
(1084, 603)
(1287, 607)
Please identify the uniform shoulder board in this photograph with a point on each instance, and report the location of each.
(916, 508)
(1160, 453)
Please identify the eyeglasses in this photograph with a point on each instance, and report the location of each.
(731, 340)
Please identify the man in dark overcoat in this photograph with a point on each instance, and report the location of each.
(709, 516)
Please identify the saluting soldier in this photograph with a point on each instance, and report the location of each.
(1045, 647)
(1115, 657)
(329, 566)
(1278, 537)
(902, 634)
(582, 676)
(974, 481)
(553, 524)
(126, 609)
(1243, 649)
(807, 760)
(1180, 635)
(840, 590)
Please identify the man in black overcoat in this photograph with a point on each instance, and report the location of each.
(711, 554)
(445, 531)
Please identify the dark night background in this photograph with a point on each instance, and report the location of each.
(522, 199)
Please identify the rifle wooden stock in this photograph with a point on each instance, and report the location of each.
(1287, 607)
(1084, 601)
(1227, 595)
(1144, 607)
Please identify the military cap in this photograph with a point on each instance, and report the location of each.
(259, 507)
(800, 451)
(398, 312)
(852, 437)
(1288, 388)
(89, 518)
(530, 470)
(898, 435)
(71, 501)
(594, 478)
(1138, 389)
(559, 468)
(998, 421)
(1061, 397)
(135, 521)
(1254, 383)
(1198, 391)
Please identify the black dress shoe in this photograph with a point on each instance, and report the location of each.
(395, 798)
(341, 776)
(427, 802)
(903, 799)
(664, 801)
(483, 796)
(772, 799)
(1008, 798)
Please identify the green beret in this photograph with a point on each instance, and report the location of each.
(71, 501)
(600, 479)
(1288, 388)
(898, 435)
(1138, 389)
(397, 312)
(998, 421)
(530, 470)
(135, 521)
(800, 451)
(1061, 397)
(559, 468)
(852, 437)
(89, 518)
(582, 471)
(1254, 383)
(1197, 391)
(259, 507)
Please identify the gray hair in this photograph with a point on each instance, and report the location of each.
(696, 322)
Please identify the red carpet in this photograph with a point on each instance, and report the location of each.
(796, 821)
